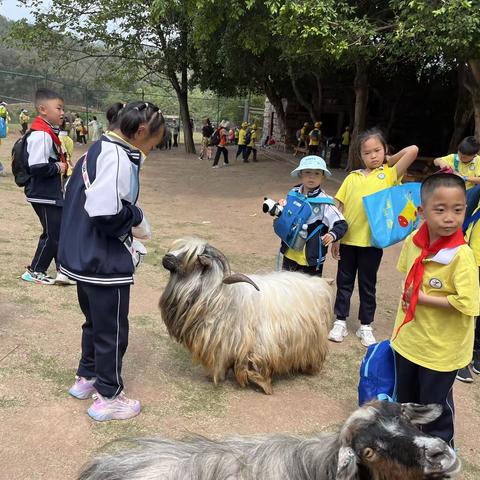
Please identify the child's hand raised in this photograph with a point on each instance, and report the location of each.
(327, 239)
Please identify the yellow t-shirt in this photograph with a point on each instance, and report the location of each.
(353, 189)
(473, 238)
(253, 138)
(470, 169)
(312, 140)
(241, 136)
(437, 338)
(67, 147)
(346, 138)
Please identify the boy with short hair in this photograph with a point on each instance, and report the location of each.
(465, 164)
(44, 190)
(315, 137)
(434, 328)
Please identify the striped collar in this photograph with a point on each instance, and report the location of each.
(135, 155)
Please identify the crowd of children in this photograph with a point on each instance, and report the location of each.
(434, 336)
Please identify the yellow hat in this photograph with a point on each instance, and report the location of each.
(318, 124)
(306, 124)
(244, 124)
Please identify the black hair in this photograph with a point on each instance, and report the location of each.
(128, 118)
(363, 137)
(94, 117)
(43, 94)
(469, 146)
(437, 180)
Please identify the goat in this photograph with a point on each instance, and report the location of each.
(260, 325)
(379, 441)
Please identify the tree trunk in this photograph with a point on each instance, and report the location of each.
(472, 84)
(463, 110)
(360, 86)
(314, 107)
(276, 100)
(185, 117)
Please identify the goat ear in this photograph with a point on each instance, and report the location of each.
(205, 261)
(238, 278)
(421, 414)
(347, 464)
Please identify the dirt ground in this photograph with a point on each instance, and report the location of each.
(46, 434)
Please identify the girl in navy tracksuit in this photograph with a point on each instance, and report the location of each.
(100, 219)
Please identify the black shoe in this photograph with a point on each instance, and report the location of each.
(464, 375)
(476, 362)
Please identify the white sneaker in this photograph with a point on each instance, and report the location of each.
(62, 279)
(339, 331)
(365, 334)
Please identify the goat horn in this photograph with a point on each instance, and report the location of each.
(222, 258)
(238, 278)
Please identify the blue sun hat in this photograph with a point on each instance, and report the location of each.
(311, 162)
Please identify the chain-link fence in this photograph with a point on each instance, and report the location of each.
(18, 90)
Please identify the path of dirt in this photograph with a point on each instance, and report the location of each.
(47, 435)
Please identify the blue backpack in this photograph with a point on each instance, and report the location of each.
(296, 212)
(377, 374)
(3, 128)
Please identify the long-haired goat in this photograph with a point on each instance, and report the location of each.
(378, 442)
(260, 325)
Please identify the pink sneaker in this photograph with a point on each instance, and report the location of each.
(82, 388)
(118, 408)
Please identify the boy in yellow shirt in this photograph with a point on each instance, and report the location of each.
(315, 137)
(465, 164)
(434, 328)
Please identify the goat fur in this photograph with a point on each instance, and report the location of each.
(278, 330)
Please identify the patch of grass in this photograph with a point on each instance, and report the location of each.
(11, 402)
(196, 395)
(71, 306)
(24, 299)
(118, 433)
(50, 369)
(142, 320)
(470, 471)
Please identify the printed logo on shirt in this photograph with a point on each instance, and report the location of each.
(472, 167)
(381, 176)
(316, 210)
(435, 283)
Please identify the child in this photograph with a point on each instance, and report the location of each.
(355, 253)
(473, 238)
(312, 171)
(222, 146)
(100, 219)
(434, 328)
(251, 147)
(24, 119)
(44, 190)
(466, 164)
(207, 131)
(67, 147)
(315, 137)
(242, 144)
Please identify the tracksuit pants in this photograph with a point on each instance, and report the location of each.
(421, 385)
(50, 217)
(242, 149)
(253, 151)
(224, 150)
(364, 261)
(104, 335)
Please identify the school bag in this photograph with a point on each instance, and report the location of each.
(315, 135)
(215, 138)
(377, 374)
(248, 137)
(20, 169)
(392, 213)
(3, 128)
(295, 214)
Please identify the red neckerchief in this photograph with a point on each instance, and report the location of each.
(40, 125)
(422, 240)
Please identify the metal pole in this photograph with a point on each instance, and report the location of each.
(86, 102)
(246, 108)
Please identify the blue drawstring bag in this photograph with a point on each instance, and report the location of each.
(3, 128)
(377, 374)
(393, 213)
